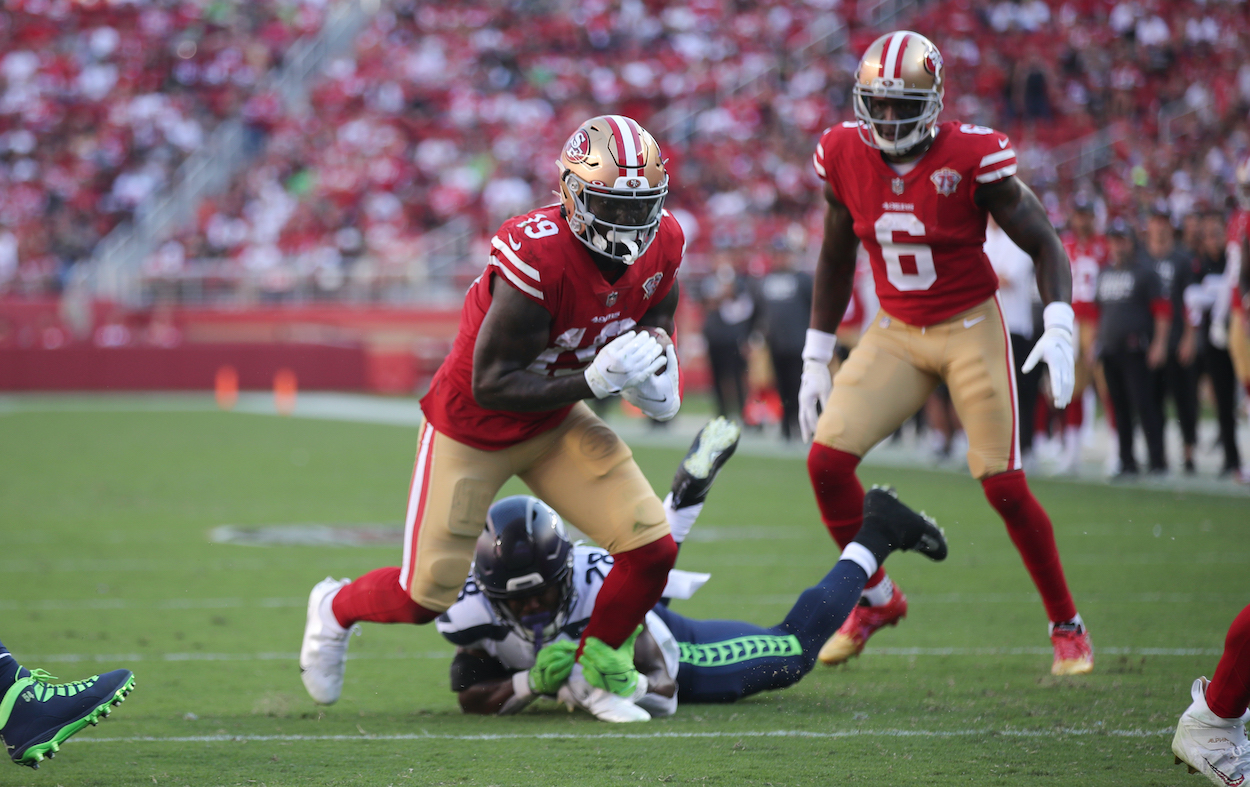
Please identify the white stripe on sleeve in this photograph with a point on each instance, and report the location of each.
(994, 158)
(998, 174)
(520, 264)
(516, 280)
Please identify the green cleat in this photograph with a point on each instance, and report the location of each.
(37, 716)
(611, 669)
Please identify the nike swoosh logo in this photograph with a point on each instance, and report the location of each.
(1002, 143)
(973, 321)
(515, 246)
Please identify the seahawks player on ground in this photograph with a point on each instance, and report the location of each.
(521, 613)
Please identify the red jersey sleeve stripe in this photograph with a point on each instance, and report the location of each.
(1001, 155)
(997, 174)
(516, 280)
(519, 264)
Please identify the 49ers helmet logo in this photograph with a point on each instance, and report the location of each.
(578, 147)
(933, 62)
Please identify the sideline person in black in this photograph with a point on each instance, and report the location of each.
(1178, 376)
(785, 297)
(1209, 268)
(728, 314)
(1133, 323)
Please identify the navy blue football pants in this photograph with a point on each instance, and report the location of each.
(726, 660)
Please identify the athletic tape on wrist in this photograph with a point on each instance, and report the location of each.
(819, 346)
(1058, 314)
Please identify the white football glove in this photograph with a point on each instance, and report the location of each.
(816, 383)
(1055, 347)
(623, 362)
(657, 395)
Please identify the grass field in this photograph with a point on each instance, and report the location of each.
(104, 521)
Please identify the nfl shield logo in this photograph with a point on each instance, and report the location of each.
(946, 180)
(896, 185)
(610, 300)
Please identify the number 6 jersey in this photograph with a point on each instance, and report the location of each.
(922, 231)
(537, 255)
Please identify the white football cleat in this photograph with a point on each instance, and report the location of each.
(1215, 747)
(323, 656)
(603, 705)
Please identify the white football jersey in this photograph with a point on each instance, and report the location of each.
(472, 622)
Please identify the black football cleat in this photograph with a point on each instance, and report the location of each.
(709, 452)
(903, 528)
(36, 716)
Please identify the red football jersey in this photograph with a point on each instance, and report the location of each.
(1087, 258)
(1238, 227)
(923, 233)
(539, 256)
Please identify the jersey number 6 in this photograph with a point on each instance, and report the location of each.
(893, 253)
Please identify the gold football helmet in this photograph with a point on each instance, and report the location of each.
(612, 186)
(898, 92)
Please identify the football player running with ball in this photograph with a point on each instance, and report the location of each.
(917, 193)
(517, 622)
(557, 316)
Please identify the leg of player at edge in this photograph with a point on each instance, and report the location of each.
(1211, 735)
(726, 660)
(840, 497)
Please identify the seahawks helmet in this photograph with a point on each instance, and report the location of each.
(523, 551)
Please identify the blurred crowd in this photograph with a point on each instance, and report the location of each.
(100, 102)
(444, 119)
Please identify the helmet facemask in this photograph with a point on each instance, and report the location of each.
(618, 222)
(913, 121)
(541, 627)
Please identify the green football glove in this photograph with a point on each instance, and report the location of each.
(611, 669)
(552, 667)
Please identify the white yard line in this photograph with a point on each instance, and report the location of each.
(643, 736)
(128, 658)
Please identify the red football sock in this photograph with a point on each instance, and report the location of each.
(629, 591)
(1074, 413)
(839, 496)
(1229, 692)
(1042, 416)
(1034, 537)
(378, 598)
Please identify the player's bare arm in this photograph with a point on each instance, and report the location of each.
(831, 292)
(1019, 212)
(662, 314)
(514, 331)
(649, 660)
(835, 267)
(485, 697)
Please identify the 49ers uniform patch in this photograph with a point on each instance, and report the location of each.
(537, 255)
(922, 230)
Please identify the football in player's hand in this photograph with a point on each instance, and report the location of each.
(661, 336)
